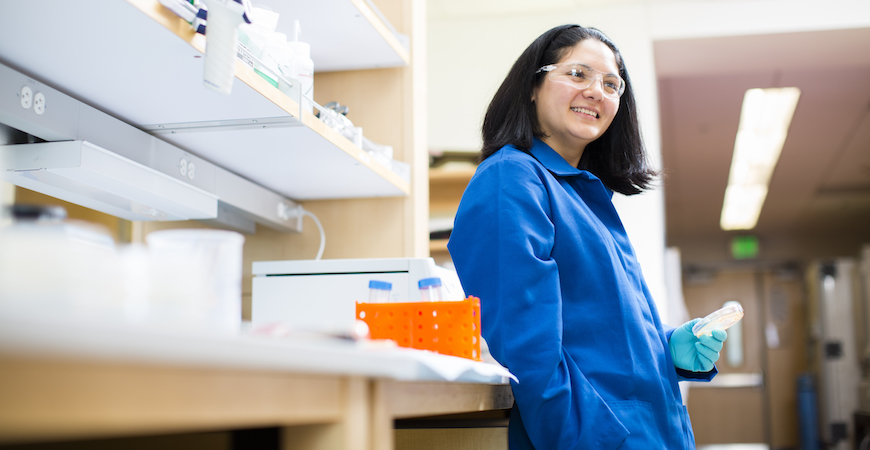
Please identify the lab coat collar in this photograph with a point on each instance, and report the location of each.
(553, 161)
(557, 165)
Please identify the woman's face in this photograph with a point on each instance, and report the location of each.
(572, 117)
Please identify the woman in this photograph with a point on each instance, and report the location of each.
(564, 304)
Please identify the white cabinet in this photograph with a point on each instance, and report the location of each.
(138, 62)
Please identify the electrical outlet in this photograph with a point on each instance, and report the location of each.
(182, 167)
(26, 97)
(39, 103)
(283, 211)
(287, 212)
(191, 170)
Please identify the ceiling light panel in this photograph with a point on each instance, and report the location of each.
(764, 120)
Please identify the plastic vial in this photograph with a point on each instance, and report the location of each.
(430, 289)
(379, 291)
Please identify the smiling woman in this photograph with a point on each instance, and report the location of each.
(512, 116)
(564, 305)
(572, 110)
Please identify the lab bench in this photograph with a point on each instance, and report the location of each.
(136, 66)
(63, 381)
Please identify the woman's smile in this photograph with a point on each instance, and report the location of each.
(581, 110)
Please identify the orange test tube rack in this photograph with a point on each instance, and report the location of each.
(448, 328)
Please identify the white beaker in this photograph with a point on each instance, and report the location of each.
(197, 278)
(221, 44)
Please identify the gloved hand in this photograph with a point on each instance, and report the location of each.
(692, 353)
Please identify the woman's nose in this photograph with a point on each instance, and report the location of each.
(595, 89)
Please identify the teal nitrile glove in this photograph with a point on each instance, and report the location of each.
(692, 353)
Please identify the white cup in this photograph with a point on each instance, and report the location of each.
(221, 44)
(197, 279)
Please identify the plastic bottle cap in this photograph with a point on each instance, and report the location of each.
(429, 282)
(375, 284)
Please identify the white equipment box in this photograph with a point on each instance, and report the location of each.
(322, 294)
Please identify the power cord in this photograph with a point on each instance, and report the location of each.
(291, 213)
(319, 227)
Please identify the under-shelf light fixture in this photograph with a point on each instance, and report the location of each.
(82, 173)
(764, 120)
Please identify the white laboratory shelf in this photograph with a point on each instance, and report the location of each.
(349, 34)
(138, 62)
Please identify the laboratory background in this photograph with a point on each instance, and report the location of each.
(208, 205)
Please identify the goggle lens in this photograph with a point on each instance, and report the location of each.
(581, 76)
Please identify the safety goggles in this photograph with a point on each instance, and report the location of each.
(581, 76)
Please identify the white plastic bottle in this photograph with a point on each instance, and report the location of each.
(297, 64)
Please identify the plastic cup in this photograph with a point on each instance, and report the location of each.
(197, 279)
(221, 45)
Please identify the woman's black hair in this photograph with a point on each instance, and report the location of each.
(618, 157)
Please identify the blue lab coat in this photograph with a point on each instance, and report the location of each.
(565, 308)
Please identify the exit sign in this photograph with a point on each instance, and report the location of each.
(744, 247)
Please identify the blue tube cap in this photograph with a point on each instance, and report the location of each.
(429, 282)
(384, 285)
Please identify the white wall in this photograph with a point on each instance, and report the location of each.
(7, 192)
(470, 54)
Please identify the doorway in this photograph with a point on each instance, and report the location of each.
(753, 399)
